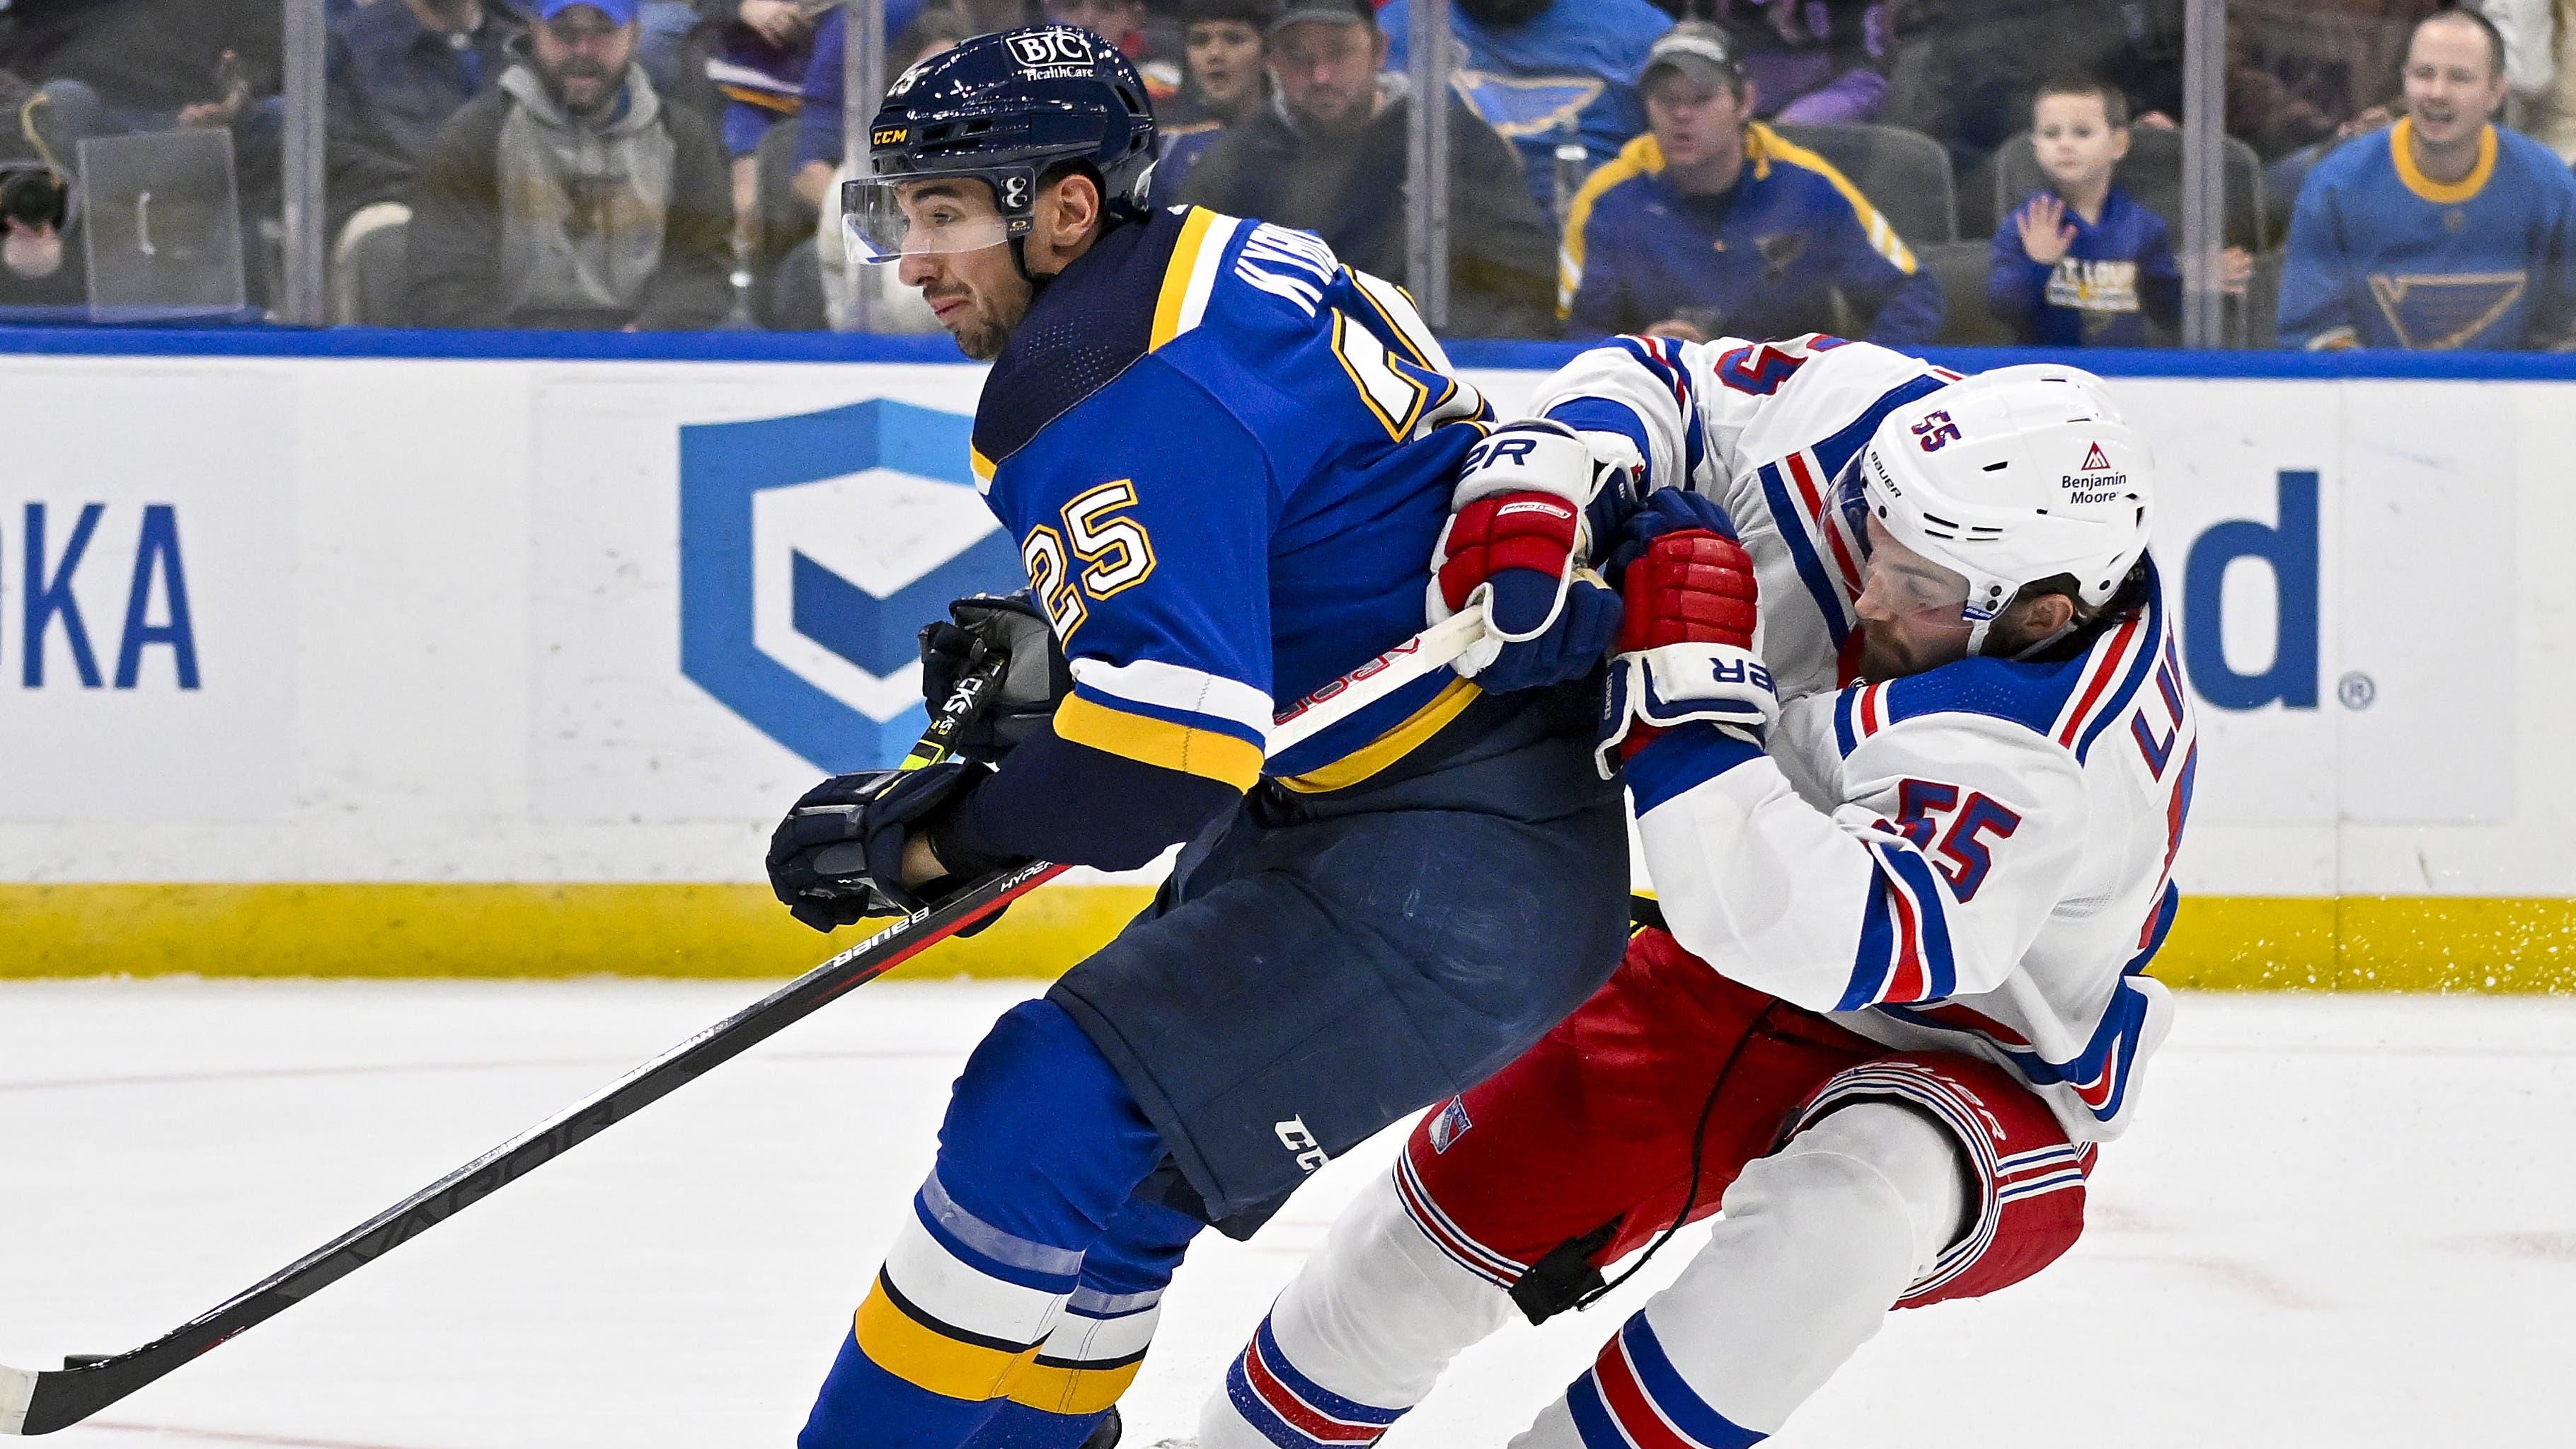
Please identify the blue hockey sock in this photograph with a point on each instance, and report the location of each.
(862, 1404)
(1040, 1150)
(1099, 1342)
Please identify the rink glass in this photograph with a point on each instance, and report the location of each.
(1952, 84)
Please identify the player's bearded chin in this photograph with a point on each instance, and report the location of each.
(983, 325)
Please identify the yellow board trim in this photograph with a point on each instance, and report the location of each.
(1177, 274)
(700, 931)
(2401, 150)
(1208, 754)
(1386, 749)
(923, 1356)
(2373, 943)
(503, 930)
(1059, 1390)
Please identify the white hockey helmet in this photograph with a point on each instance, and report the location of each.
(2010, 478)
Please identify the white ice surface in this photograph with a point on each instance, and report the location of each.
(2340, 1222)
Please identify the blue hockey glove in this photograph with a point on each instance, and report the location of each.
(1515, 543)
(1686, 640)
(1666, 510)
(838, 856)
(1036, 680)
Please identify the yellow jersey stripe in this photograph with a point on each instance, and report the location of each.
(1209, 754)
(982, 465)
(920, 1354)
(2401, 150)
(1882, 237)
(1386, 749)
(1638, 158)
(1177, 273)
(1073, 1388)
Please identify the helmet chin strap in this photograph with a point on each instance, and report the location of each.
(1020, 263)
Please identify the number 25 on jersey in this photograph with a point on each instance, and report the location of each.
(1115, 550)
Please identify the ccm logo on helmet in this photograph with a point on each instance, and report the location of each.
(1051, 47)
(891, 136)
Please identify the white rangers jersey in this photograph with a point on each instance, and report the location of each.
(1977, 858)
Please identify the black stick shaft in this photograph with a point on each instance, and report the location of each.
(63, 1397)
(66, 1396)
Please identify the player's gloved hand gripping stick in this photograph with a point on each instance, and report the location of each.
(44, 1401)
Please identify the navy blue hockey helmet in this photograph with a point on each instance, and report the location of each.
(1000, 109)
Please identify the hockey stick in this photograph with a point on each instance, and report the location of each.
(41, 1402)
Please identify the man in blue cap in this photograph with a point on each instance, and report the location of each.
(573, 195)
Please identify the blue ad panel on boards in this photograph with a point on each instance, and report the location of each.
(802, 649)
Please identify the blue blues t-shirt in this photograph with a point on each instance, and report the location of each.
(2117, 273)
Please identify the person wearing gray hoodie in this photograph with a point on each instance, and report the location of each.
(571, 195)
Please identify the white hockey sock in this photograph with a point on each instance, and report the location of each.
(1817, 1242)
(1358, 1338)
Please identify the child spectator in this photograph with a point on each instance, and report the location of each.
(1225, 79)
(2081, 264)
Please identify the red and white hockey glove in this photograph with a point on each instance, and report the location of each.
(1516, 543)
(1685, 650)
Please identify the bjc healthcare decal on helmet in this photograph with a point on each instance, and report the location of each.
(812, 549)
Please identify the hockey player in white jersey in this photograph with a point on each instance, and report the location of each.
(1900, 999)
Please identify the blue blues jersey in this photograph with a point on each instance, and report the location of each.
(1762, 259)
(2117, 274)
(2382, 255)
(1225, 459)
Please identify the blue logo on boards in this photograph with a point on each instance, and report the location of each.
(812, 550)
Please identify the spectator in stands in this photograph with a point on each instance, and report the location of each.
(1820, 62)
(2444, 231)
(761, 51)
(1149, 42)
(2539, 68)
(131, 66)
(1711, 225)
(2082, 264)
(818, 119)
(893, 307)
(1225, 81)
(398, 69)
(1330, 158)
(570, 195)
(1543, 72)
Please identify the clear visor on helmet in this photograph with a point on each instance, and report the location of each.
(1901, 580)
(888, 218)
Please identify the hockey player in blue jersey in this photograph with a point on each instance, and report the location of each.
(1227, 461)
